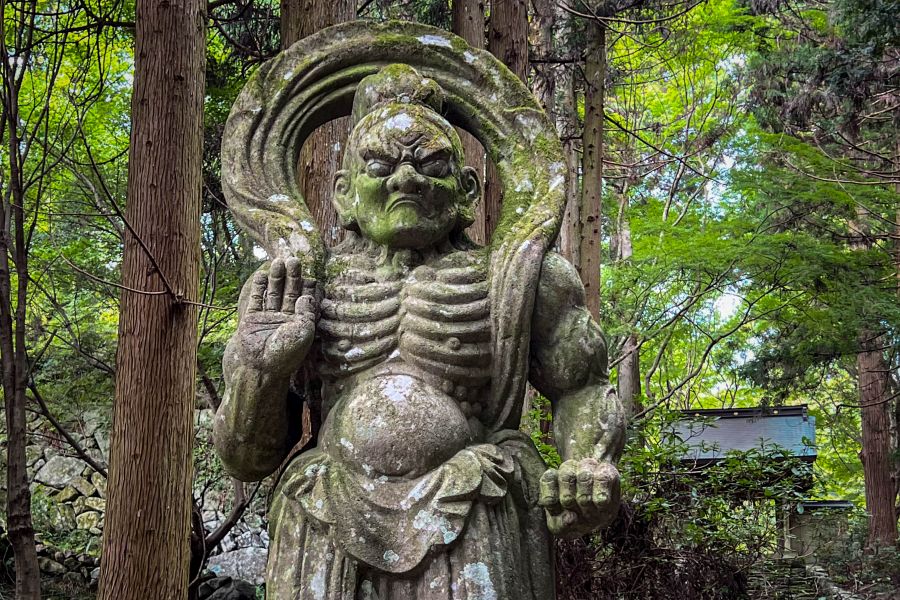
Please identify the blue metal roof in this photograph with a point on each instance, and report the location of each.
(711, 433)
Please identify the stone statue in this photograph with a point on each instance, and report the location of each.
(410, 344)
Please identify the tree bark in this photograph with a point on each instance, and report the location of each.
(875, 419)
(148, 518)
(628, 381)
(543, 23)
(592, 166)
(322, 153)
(508, 41)
(12, 339)
(881, 490)
(468, 23)
(570, 129)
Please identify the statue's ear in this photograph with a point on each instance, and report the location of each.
(343, 203)
(468, 179)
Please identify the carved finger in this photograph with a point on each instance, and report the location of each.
(549, 493)
(276, 285)
(257, 291)
(584, 488)
(567, 485)
(293, 286)
(606, 485)
(305, 306)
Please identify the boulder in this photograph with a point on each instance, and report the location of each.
(248, 564)
(32, 454)
(98, 504)
(102, 439)
(226, 588)
(91, 420)
(59, 471)
(62, 517)
(50, 566)
(99, 482)
(85, 487)
(88, 520)
(67, 494)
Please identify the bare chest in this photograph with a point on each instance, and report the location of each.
(434, 319)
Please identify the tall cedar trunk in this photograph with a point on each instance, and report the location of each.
(881, 490)
(12, 349)
(895, 379)
(543, 23)
(628, 382)
(875, 421)
(468, 23)
(569, 243)
(592, 165)
(146, 538)
(321, 155)
(508, 41)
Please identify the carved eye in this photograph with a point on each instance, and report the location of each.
(377, 168)
(435, 168)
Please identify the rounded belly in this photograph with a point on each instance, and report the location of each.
(395, 425)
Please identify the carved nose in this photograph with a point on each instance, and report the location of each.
(406, 180)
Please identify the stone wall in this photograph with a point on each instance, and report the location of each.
(69, 502)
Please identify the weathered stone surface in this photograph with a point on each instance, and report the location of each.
(419, 485)
(32, 454)
(91, 421)
(99, 482)
(67, 494)
(50, 566)
(226, 588)
(98, 504)
(62, 517)
(248, 564)
(102, 439)
(84, 487)
(59, 471)
(88, 520)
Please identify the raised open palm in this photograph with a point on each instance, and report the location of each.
(278, 326)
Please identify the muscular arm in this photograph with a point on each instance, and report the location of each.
(257, 423)
(569, 367)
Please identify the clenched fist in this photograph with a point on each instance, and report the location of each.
(278, 326)
(580, 497)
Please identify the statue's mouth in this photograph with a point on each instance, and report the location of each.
(414, 200)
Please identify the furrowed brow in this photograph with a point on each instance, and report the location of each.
(425, 154)
(377, 153)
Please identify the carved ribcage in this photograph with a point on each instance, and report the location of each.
(436, 317)
(446, 323)
(359, 322)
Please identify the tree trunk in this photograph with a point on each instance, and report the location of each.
(569, 240)
(12, 345)
(508, 41)
(543, 23)
(322, 153)
(592, 165)
(468, 23)
(12, 349)
(881, 490)
(146, 538)
(875, 419)
(628, 382)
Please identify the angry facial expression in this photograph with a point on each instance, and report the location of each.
(405, 186)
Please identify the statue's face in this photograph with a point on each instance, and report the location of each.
(404, 186)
